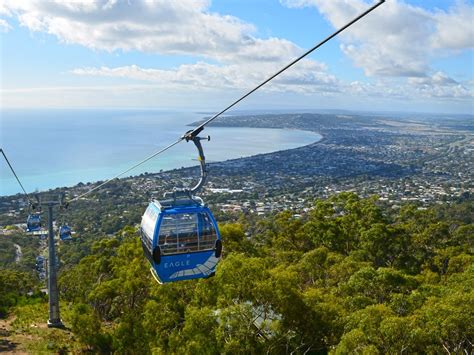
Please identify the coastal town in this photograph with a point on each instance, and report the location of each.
(399, 160)
(420, 163)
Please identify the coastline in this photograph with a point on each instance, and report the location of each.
(92, 183)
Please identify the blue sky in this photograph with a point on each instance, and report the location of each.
(200, 55)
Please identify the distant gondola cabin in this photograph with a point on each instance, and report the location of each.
(65, 232)
(33, 222)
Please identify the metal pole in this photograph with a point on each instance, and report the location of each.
(54, 319)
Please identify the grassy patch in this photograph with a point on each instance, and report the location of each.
(30, 333)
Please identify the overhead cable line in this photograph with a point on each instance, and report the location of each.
(198, 128)
(126, 171)
(194, 132)
(16, 176)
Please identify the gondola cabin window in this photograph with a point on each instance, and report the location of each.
(148, 227)
(208, 233)
(186, 233)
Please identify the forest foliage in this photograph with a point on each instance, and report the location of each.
(347, 276)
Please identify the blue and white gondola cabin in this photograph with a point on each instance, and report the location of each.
(181, 240)
(33, 222)
(65, 232)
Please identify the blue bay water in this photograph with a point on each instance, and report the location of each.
(54, 148)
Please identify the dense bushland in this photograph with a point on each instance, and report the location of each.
(348, 276)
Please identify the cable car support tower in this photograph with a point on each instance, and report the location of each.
(54, 320)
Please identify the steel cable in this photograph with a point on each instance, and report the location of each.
(199, 128)
(126, 171)
(16, 176)
(289, 65)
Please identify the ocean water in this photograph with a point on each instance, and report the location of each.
(55, 148)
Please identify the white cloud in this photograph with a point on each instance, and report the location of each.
(437, 87)
(440, 85)
(438, 78)
(455, 29)
(309, 79)
(391, 41)
(171, 27)
(394, 46)
(308, 76)
(4, 26)
(167, 27)
(397, 39)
